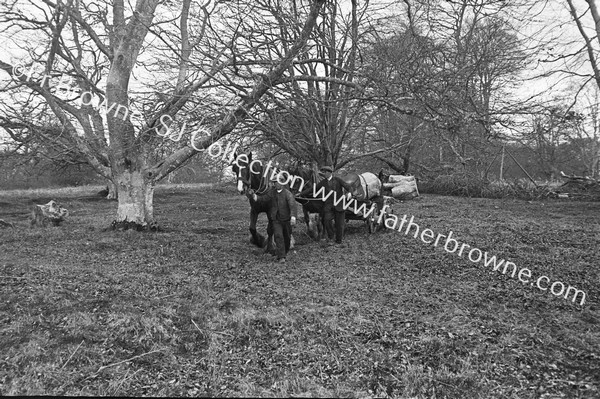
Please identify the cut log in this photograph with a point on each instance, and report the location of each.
(402, 187)
(400, 178)
(52, 212)
(405, 192)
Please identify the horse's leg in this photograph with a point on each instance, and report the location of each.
(292, 241)
(270, 238)
(313, 225)
(257, 239)
(320, 225)
(307, 221)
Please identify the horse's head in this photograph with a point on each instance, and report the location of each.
(307, 175)
(241, 169)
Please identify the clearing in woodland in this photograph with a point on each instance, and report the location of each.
(195, 309)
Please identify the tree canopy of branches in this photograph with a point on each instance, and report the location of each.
(114, 74)
(319, 108)
(439, 67)
(448, 76)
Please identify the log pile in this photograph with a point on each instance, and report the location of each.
(579, 187)
(401, 187)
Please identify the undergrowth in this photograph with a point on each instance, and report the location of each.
(467, 185)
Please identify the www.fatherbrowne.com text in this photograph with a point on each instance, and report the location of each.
(451, 245)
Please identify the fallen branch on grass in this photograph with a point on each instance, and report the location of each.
(573, 177)
(201, 332)
(72, 354)
(127, 360)
(213, 331)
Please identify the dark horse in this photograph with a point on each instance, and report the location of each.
(367, 198)
(253, 177)
(249, 183)
(312, 208)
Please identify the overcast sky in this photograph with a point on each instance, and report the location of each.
(551, 21)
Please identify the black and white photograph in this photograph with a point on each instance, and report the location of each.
(300, 198)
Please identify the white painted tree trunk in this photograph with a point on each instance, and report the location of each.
(136, 207)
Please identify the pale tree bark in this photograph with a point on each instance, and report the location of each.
(135, 191)
(140, 182)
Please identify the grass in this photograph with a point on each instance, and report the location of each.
(45, 192)
(196, 310)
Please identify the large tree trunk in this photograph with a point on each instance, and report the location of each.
(136, 195)
(126, 155)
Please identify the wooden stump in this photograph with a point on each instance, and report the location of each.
(50, 213)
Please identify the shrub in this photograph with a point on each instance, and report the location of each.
(462, 185)
(465, 185)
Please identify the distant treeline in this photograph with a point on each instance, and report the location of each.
(22, 172)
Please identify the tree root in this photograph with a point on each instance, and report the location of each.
(127, 225)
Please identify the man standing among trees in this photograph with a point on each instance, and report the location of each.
(283, 214)
(331, 211)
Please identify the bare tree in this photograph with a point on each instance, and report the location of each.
(448, 76)
(81, 41)
(564, 136)
(322, 107)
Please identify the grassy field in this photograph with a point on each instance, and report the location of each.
(196, 310)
